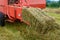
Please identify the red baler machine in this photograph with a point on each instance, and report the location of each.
(13, 8)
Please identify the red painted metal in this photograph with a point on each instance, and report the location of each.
(14, 11)
(3, 4)
(11, 11)
(18, 13)
(37, 3)
(34, 3)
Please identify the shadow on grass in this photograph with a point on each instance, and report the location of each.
(16, 26)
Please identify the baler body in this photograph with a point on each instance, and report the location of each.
(13, 8)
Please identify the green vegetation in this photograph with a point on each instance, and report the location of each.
(53, 4)
(54, 12)
(57, 16)
(20, 31)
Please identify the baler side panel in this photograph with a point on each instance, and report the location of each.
(1, 9)
(3, 6)
(3, 2)
(11, 11)
(19, 13)
(34, 3)
(37, 3)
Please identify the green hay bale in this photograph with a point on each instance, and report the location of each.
(38, 20)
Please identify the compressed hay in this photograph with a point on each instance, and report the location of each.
(38, 20)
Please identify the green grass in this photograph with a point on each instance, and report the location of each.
(20, 31)
(56, 16)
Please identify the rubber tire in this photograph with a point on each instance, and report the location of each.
(2, 19)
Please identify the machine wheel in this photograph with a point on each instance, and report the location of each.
(2, 19)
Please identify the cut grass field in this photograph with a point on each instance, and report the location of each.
(20, 31)
(56, 16)
(54, 12)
